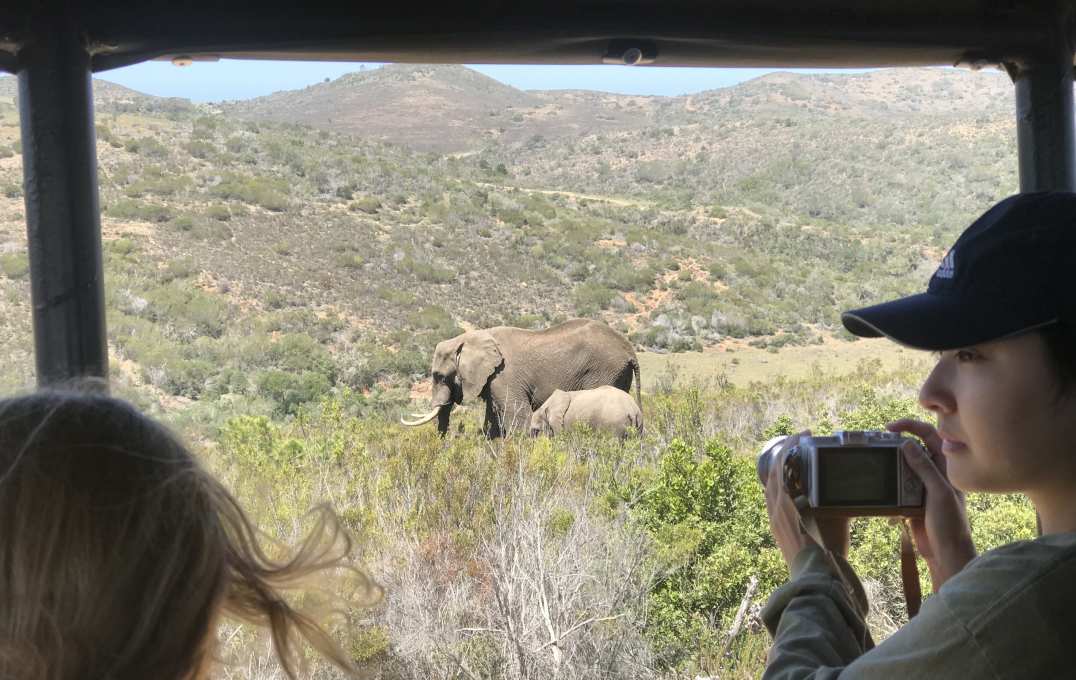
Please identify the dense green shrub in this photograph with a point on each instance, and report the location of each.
(157, 184)
(348, 260)
(269, 193)
(14, 265)
(428, 272)
(291, 390)
(219, 212)
(299, 352)
(698, 298)
(434, 318)
(708, 518)
(589, 298)
(366, 204)
(149, 147)
(190, 311)
(132, 209)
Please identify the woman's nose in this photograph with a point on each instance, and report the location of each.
(936, 393)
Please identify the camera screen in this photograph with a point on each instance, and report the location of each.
(857, 476)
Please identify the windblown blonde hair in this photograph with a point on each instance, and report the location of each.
(118, 551)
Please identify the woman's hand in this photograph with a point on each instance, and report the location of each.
(943, 535)
(784, 517)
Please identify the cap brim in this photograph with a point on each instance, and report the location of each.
(933, 322)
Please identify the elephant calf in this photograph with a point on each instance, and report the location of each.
(602, 408)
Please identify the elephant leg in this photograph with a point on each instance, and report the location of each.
(492, 426)
(443, 419)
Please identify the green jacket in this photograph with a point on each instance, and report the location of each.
(1011, 613)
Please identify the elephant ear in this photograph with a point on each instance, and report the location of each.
(556, 408)
(477, 359)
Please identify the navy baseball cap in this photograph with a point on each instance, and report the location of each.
(1013, 270)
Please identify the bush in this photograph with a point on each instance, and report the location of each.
(148, 147)
(698, 298)
(376, 362)
(300, 352)
(349, 260)
(396, 296)
(183, 223)
(211, 230)
(14, 265)
(120, 246)
(589, 298)
(234, 144)
(130, 209)
(434, 318)
(219, 212)
(200, 149)
(190, 311)
(178, 268)
(271, 194)
(160, 185)
(366, 204)
(290, 390)
(427, 271)
(708, 518)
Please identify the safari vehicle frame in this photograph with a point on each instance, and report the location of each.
(54, 47)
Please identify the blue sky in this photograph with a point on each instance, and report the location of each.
(235, 79)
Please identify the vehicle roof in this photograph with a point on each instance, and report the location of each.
(808, 33)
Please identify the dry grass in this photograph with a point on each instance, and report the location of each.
(740, 364)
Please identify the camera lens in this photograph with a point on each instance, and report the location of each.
(769, 452)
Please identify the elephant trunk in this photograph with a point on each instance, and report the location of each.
(442, 419)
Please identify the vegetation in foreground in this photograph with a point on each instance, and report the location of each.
(576, 556)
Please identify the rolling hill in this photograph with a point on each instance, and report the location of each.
(363, 219)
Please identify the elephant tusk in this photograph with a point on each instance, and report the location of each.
(420, 418)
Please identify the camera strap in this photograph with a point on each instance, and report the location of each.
(909, 572)
(909, 568)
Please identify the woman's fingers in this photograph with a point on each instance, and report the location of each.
(923, 466)
(942, 536)
(928, 433)
(925, 431)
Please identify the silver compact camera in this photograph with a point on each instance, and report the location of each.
(852, 474)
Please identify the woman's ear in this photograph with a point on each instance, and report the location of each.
(478, 358)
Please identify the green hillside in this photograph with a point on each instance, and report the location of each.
(756, 213)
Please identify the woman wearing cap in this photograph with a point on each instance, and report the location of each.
(1001, 313)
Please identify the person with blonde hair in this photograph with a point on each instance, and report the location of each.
(119, 552)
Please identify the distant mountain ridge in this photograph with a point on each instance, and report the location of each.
(454, 109)
(411, 105)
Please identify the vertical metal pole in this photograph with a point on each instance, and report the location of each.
(63, 222)
(1045, 134)
(1045, 131)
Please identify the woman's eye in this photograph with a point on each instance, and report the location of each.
(964, 355)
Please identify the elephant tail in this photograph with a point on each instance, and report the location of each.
(638, 382)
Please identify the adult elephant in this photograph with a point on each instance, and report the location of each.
(515, 370)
